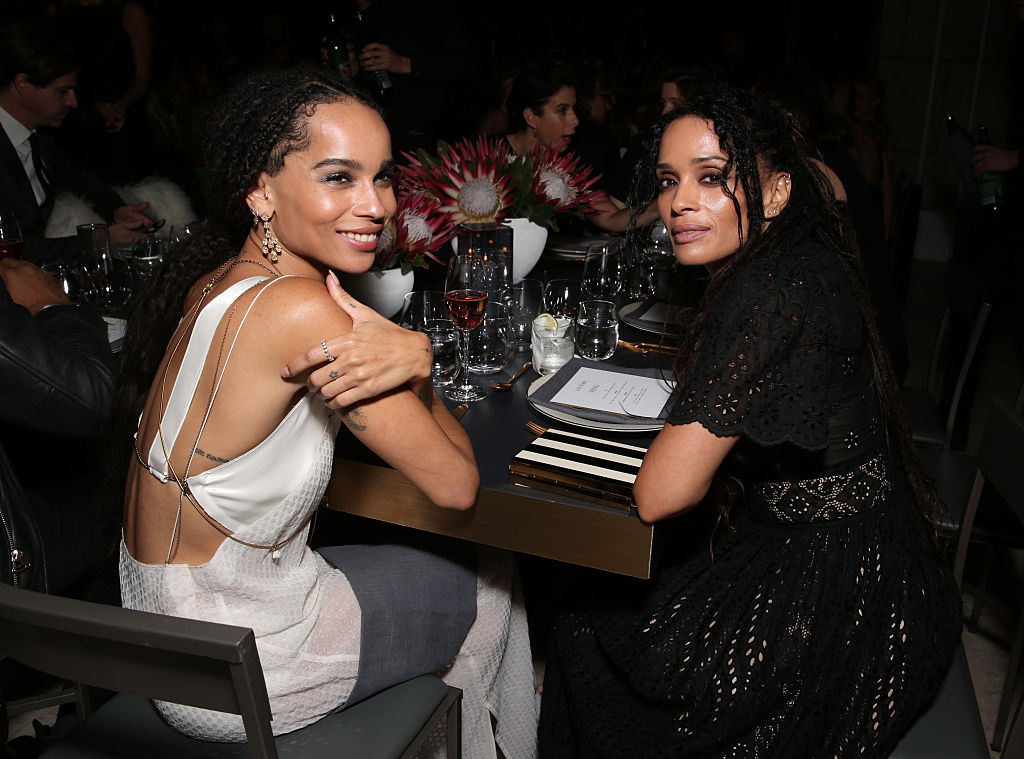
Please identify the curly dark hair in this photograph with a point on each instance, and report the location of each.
(262, 119)
(757, 133)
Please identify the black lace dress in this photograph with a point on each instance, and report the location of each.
(825, 620)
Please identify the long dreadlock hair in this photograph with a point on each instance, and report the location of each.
(257, 124)
(757, 134)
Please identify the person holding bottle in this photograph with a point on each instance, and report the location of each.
(421, 62)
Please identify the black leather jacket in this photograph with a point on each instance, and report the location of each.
(56, 378)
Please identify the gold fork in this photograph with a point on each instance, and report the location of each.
(535, 428)
(645, 348)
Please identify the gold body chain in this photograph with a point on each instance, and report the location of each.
(185, 492)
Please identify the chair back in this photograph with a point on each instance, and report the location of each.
(968, 306)
(1000, 456)
(202, 664)
(904, 237)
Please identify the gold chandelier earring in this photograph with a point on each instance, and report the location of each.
(271, 245)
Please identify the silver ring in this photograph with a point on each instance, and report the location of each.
(330, 358)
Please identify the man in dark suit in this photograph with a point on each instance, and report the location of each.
(37, 89)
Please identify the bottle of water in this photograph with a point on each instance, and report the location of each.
(991, 185)
(378, 82)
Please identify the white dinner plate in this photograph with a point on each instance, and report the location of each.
(570, 248)
(627, 315)
(589, 424)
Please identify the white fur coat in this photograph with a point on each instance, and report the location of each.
(166, 201)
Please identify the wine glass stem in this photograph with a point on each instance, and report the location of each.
(464, 358)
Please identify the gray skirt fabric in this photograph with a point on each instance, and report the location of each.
(417, 606)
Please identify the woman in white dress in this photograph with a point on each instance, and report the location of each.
(231, 455)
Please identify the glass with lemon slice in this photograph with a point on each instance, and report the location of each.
(552, 342)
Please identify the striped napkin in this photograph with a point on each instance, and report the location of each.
(570, 463)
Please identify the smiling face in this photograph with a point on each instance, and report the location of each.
(330, 201)
(556, 123)
(701, 218)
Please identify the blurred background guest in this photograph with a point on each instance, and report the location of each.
(37, 90)
(113, 42)
(423, 66)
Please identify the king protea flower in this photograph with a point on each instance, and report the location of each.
(563, 180)
(469, 179)
(418, 228)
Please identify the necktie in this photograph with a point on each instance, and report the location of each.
(37, 162)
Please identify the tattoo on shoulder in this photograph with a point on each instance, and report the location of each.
(353, 418)
(210, 456)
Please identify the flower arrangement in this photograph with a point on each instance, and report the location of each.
(417, 229)
(480, 181)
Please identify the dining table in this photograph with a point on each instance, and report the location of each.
(516, 517)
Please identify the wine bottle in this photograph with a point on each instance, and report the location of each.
(959, 145)
(378, 82)
(337, 48)
(991, 185)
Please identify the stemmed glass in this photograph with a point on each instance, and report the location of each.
(466, 296)
(602, 271)
(10, 235)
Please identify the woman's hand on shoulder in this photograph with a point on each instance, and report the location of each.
(376, 356)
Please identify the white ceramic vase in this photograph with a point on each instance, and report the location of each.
(528, 240)
(383, 291)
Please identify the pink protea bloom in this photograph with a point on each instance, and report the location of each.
(470, 181)
(563, 180)
(418, 228)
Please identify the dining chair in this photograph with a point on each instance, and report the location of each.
(145, 656)
(951, 725)
(934, 408)
(999, 458)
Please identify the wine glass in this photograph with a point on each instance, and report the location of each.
(10, 235)
(466, 294)
(562, 297)
(602, 272)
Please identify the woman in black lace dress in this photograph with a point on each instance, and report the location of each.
(824, 620)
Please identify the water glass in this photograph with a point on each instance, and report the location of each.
(94, 242)
(602, 271)
(597, 330)
(10, 235)
(492, 344)
(421, 307)
(68, 278)
(147, 255)
(524, 302)
(444, 339)
(562, 297)
(552, 343)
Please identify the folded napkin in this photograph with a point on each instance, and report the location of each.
(543, 395)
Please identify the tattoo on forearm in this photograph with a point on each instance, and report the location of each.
(426, 394)
(353, 418)
(210, 456)
(333, 375)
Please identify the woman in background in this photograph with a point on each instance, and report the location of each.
(541, 113)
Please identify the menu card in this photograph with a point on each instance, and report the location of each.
(614, 393)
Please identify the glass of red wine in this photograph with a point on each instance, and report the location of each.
(466, 295)
(10, 234)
